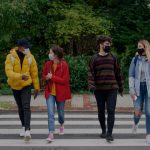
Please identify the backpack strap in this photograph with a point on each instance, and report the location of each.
(135, 59)
(29, 60)
(13, 59)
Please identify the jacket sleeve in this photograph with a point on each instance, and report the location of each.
(132, 77)
(44, 72)
(91, 80)
(65, 76)
(34, 74)
(9, 69)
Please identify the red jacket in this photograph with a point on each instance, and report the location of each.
(60, 77)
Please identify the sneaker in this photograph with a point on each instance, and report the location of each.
(27, 136)
(61, 130)
(50, 137)
(109, 138)
(134, 129)
(103, 135)
(148, 139)
(22, 132)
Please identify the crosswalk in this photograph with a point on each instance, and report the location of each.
(81, 129)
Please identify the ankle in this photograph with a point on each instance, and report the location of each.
(62, 125)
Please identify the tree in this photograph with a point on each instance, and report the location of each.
(74, 23)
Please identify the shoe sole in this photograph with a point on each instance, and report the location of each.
(109, 141)
(27, 138)
(49, 141)
(103, 137)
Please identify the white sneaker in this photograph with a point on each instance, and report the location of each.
(134, 129)
(148, 139)
(27, 136)
(22, 132)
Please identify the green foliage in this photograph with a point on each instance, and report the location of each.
(74, 25)
(78, 72)
(5, 105)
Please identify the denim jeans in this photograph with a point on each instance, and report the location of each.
(106, 99)
(51, 112)
(139, 103)
(23, 99)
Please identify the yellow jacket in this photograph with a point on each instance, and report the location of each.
(14, 71)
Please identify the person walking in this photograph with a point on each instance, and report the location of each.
(139, 85)
(57, 88)
(105, 79)
(21, 70)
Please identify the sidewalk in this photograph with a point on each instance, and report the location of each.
(77, 103)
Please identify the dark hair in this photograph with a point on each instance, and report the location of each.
(102, 38)
(58, 51)
(23, 43)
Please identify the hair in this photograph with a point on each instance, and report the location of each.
(23, 43)
(58, 51)
(103, 38)
(146, 45)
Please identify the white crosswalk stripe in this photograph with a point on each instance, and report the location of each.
(81, 129)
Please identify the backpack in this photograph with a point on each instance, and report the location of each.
(13, 60)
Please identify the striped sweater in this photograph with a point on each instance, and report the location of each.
(104, 73)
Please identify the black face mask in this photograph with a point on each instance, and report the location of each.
(107, 49)
(140, 51)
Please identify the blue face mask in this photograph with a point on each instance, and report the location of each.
(51, 56)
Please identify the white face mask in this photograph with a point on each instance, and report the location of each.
(26, 50)
(51, 56)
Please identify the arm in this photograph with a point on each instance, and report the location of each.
(9, 69)
(132, 77)
(91, 81)
(119, 77)
(44, 72)
(34, 74)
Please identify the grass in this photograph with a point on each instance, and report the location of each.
(5, 105)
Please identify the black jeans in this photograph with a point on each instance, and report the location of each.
(23, 99)
(106, 99)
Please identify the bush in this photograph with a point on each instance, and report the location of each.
(78, 72)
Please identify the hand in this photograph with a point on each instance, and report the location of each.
(133, 96)
(36, 93)
(92, 90)
(25, 77)
(49, 76)
(121, 94)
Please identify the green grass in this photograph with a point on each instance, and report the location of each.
(5, 105)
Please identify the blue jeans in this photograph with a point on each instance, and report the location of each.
(51, 112)
(139, 103)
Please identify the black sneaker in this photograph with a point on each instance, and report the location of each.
(109, 138)
(103, 135)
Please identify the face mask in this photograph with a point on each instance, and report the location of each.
(107, 49)
(26, 51)
(51, 56)
(140, 51)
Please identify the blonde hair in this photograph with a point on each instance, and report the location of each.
(146, 45)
